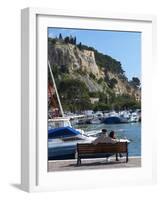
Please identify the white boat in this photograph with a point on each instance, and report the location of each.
(58, 122)
(134, 117)
(63, 139)
(124, 116)
(95, 121)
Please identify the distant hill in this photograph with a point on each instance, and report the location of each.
(82, 73)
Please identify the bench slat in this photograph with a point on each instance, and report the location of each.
(87, 150)
(102, 148)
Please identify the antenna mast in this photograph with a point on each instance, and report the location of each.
(52, 77)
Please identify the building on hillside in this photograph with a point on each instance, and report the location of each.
(94, 100)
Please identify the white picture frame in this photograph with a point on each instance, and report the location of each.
(34, 175)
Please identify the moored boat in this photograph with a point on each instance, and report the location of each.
(95, 121)
(134, 117)
(62, 141)
(112, 120)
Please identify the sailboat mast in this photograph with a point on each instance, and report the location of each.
(57, 95)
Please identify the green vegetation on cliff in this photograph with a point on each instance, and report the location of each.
(105, 61)
(73, 85)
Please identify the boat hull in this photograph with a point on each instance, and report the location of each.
(62, 142)
(112, 120)
(62, 153)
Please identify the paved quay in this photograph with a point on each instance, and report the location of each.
(99, 163)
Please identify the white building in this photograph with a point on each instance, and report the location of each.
(94, 100)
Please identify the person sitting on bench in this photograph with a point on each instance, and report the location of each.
(112, 139)
(104, 138)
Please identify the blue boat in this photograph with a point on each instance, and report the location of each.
(112, 120)
(62, 142)
(62, 132)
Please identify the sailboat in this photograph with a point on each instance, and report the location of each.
(62, 137)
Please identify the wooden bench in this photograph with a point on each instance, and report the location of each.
(101, 150)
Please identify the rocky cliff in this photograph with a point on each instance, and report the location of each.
(89, 66)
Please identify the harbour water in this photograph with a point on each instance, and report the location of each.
(131, 131)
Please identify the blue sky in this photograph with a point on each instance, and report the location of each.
(123, 46)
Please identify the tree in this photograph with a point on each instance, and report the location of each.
(101, 106)
(71, 40)
(60, 36)
(122, 102)
(100, 80)
(92, 76)
(94, 94)
(53, 41)
(112, 83)
(67, 40)
(55, 70)
(64, 69)
(80, 46)
(135, 82)
(75, 41)
(74, 94)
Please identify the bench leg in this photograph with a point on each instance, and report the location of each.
(78, 161)
(117, 157)
(127, 157)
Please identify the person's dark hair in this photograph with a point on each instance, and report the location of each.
(112, 134)
(104, 130)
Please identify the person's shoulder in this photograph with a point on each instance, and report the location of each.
(111, 140)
